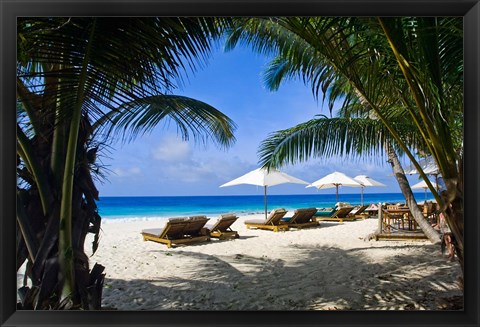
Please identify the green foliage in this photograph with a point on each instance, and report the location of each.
(327, 137)
(351, 59)
(189, 115)
(403, 72)
(79, 80)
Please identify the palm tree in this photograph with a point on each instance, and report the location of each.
(324, 137)
(408, 66)
(78, 81)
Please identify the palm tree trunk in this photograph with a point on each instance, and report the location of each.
(454, 214)
(455, 221)
(426, 227)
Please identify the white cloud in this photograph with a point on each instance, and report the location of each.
(189, 172)
(172, 149)
(127, 172)
(204, 169)
(135, 170)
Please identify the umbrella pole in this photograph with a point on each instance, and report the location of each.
(265, 200)
(336, 187)
(362, 196)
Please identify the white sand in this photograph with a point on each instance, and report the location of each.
(328, 267)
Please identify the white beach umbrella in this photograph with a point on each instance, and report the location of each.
(366, 181)
(428, 166)
(262, 177)
(335, 179)
(424, 185)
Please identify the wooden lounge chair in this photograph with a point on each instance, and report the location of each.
(302, 218)
(360, 213)
(272, 222)
(324, 212)
(196, 226)
(180, 230)
(222, 229)
(339, 214)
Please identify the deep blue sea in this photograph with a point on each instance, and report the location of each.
(141, 207)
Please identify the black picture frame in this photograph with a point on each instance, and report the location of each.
(11, 9)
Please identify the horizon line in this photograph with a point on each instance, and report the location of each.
(133, 196)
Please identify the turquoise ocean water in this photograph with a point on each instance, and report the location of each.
(141, 207)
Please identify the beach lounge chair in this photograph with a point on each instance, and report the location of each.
(360, 213)
(179, 230)
(372, 210)
(196, 226)
(302, 218)
(338, 214)
(221, 229)
(272, 222)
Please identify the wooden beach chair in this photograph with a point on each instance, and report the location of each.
(360, 213)
(324, 212)
(181, 230)
(302, 218)
(196, 226)
(339, 214)
(272, 222)
(221, 229)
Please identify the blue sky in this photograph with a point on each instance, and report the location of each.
(160, 163)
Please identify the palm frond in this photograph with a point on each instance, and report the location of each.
(326, 137)
(191, 118)
(132, 57)
(417, 46)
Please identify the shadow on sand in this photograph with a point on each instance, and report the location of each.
(318, 280)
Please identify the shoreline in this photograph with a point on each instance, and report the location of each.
(163, 218)
(142, 208)
(332, 266)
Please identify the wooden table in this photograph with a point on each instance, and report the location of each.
(392, 216)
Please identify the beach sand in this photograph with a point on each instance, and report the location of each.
(333, 266)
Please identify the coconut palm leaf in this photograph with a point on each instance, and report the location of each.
(131, 58)
(326, 137)
(436, 107)
(190, 116)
